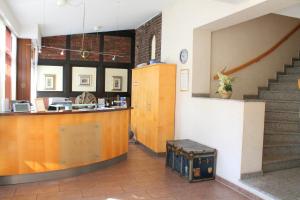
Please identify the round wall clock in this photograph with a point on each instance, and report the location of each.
(184, 55)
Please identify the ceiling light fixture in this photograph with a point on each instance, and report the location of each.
(61, 2)
(97, 28)
(84, 53)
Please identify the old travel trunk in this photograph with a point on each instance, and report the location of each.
(192, 160)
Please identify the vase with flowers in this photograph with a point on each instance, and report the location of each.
(225, 85)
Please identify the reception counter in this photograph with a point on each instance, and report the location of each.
(43, 146)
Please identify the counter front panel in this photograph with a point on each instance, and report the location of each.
(43, 143)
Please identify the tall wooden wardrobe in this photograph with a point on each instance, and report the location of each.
(153, 102)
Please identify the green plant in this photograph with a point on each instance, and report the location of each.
(225, 83)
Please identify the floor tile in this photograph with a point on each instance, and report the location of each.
(141, 177)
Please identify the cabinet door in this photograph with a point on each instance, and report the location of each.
(137, 114)
(134, 100)
(150, 106)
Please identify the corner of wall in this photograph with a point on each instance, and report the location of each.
(253, 135)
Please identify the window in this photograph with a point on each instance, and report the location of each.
(8, 48)
(2, 62)
(153, 48)
(8, 62)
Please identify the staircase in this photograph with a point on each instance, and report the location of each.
(282, 122)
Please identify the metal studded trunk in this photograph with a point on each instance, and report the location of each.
(192, 160)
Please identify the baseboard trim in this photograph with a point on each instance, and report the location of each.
(251, 175)
(200, 95)
(238, 189)
(150, 151)
(54, 175)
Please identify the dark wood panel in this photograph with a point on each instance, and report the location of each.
(68, 63)
(91, 43)
(23, 69)
(53, 41)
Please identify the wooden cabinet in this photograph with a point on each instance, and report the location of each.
(153, 102)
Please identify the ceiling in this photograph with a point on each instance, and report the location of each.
(292, 11)
(109, 14)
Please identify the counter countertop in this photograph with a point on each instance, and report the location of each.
(62, 112)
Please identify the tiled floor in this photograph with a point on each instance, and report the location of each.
(283, 185)
(141, 177)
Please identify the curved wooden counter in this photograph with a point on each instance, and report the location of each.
(47, 142)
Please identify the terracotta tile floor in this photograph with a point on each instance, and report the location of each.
(141, 177)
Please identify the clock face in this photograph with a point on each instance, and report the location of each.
(184, 56)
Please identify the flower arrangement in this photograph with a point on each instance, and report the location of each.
(225, 85)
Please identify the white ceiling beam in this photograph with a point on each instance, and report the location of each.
(8, 18)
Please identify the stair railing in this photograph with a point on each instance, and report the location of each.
(261, 56)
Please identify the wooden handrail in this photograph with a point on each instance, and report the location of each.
(261, 56)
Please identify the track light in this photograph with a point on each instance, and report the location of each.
(84, 54)
(62, 52)
(114, 58)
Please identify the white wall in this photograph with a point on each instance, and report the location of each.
(201, 48)
(253, 135)
(215, 123)
(9, 19)
(293, 11)
(240, 43)
(232, 127)
(218, 124)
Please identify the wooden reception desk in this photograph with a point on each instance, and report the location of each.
(42, 146)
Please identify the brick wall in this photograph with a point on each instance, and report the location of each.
(117, 45)
(53, 54)
(114, 42)
(91, 43)
(143, 40)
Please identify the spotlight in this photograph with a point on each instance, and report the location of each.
(40, 50)
(114, 58)
(84, 54)
(61, 2)
(62, 52)
(97, 28)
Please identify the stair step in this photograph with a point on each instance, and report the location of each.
(274, 139)
(285, 126)
(281, 149)
(282, 115)
(282, 121)
(274, 163)
(273, 105)
(280, 95)
(274, 132)
(288, 77)
(293, 70)
(296, 63)
(286, 86)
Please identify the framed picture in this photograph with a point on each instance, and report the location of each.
(40, 105)
(50, 81)
(85, 80)
(184, 80)
(117, 83)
